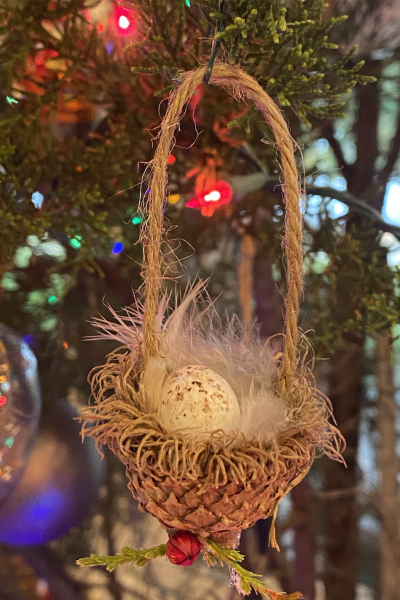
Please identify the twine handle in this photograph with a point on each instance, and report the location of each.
(238, 84)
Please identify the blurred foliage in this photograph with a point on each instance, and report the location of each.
(356, 271)
(285, 46)
(51, 56)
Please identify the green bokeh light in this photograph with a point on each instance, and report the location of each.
(75, 243)
(136, 220)
(53, 300)
(9, 442)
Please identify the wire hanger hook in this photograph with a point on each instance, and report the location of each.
(216, 44)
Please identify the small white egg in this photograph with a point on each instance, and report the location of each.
(197, 401)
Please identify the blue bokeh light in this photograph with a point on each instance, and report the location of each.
(322, 180)
(322, 146)
(30, 339)
(339, 183)
(37, 199)
(337, 209)
(37, 521)
(118, 247)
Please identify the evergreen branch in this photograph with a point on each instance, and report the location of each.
(127, 555)
(245, 580)
(358, 206)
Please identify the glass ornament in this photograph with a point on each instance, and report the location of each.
(20, 405)
(60, 483)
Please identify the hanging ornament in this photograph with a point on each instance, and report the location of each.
(59, 485)
(74, 114)
(37, 73)
(19, 408)
(212, 483)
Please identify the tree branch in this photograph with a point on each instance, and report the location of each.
(327, 132)
(358, 206)
(393, 155)
(376, 193)
(366, 130)
(244, 184)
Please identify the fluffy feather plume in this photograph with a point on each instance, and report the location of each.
(191, 336)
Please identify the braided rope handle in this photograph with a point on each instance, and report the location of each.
(239, 84)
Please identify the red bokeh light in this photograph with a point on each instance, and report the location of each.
(209, 200)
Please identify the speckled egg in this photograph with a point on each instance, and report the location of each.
(197, 399)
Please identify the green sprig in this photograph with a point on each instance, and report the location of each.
(247, 579)
(127, 555)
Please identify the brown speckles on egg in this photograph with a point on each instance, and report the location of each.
(197, 397)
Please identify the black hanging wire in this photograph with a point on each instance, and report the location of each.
(216, 44)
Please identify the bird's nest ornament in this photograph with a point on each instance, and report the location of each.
(213, 427)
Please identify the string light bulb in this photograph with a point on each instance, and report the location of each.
(117, 248)
(213, 196)
(211, 199)
(124, 21)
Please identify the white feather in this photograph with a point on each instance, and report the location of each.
(190, 336)
(152, 382)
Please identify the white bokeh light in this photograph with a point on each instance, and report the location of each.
(37, 199)
(123, 22)
(391, 205)
(391, 214)
(213, 196)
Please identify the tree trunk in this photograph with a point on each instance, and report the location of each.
(389, 505)
(269, 302)
(245, 278)
(341, 538)
(305, 529)
(366, 130)
(260, 284)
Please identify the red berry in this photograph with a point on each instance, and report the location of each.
(183, 548)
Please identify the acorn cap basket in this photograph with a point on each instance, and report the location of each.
(213, 488)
